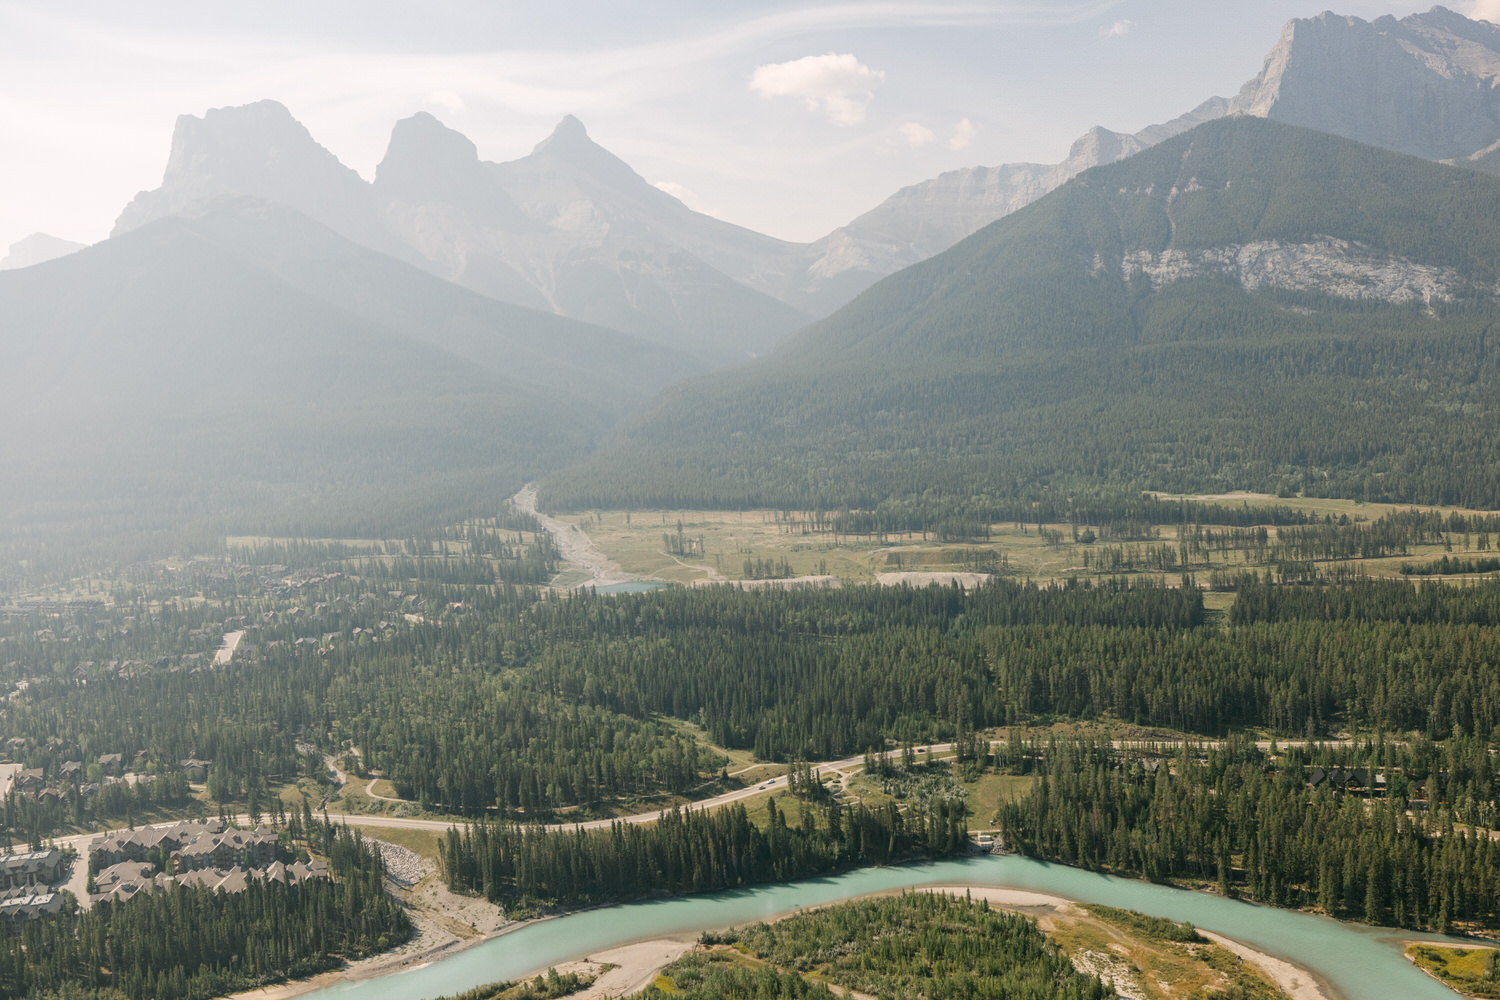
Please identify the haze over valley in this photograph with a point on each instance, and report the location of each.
(401, 545)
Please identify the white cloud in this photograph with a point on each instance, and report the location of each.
(916, 135)
(963, 134)
(447, 100)
(1484, 10)
(1117, 29)
(838, 85)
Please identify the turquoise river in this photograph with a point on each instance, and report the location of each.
(1352, 961)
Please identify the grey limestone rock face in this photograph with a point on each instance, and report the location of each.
(1423, 85)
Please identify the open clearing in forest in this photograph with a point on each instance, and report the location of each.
(697, 546)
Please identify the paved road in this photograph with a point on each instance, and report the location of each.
(841, 769)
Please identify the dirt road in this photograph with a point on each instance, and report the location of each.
(574, 545)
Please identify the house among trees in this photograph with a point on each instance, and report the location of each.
(210, 854)
(254, 848)
(27, 870)
(19, 908)
(124, 880)
(111, 762)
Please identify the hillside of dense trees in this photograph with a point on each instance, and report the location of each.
(1032, 359)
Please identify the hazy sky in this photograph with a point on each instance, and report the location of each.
(790, 118)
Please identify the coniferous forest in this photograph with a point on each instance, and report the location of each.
(501, 705)
(914, 944)
(688, 852)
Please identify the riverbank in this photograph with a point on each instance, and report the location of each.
(1323, 959)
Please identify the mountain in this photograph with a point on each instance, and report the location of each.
(250, 367)
(261, 151)
(37, 248)
(1425, 85)
(927, 218)
(570, 228)
(1248, 305)
(574, 228)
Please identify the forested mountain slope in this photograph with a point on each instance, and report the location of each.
(251, 368)
(1248, 305)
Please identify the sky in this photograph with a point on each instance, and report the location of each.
(788, 118)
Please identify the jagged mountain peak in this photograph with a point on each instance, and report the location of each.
(259, 150)
(569, 131)
(1425, 84)
(426, 159)
(259, 142)
(423, 135)
(570, 148)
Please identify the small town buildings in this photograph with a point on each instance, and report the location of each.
(19, 908)
(32, 869)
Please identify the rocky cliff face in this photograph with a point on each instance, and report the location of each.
(1342, 268)
(1423, 85)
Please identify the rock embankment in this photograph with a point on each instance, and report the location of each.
(403, 866)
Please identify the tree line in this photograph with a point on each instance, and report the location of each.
(687, 851)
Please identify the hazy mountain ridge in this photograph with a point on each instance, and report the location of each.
(1246, 306)
(570, 228)
(38, 248)
(250, 366)
(573, 229)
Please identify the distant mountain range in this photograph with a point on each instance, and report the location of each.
(267, 332)
(571, 229)
(1427, 84)
(1249, 305)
